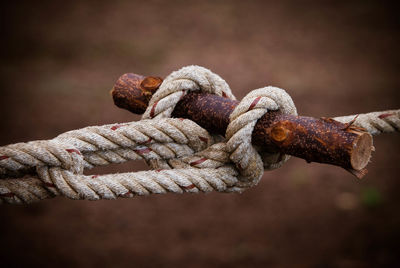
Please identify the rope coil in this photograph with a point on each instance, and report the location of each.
(184, 156)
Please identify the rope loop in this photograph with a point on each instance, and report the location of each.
(178, 83)
(249, 160)
(249, 163)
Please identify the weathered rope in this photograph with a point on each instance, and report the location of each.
(243, 119)
(178, 83)
(376, 122)
(63, 182)
(183, 155)
(101, 145)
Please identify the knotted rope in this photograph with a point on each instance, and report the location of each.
(184, 156)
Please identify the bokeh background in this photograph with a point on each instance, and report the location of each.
(59, 61)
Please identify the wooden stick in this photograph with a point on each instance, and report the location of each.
(322, 140)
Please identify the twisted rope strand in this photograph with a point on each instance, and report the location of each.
(216, 157)
(178, 83)
(376, 122)
(102, 145)
(63, 182)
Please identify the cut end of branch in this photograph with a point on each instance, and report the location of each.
(362, 150)
(133, 92)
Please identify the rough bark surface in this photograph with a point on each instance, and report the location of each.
(322, 140)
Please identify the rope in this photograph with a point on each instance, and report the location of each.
(102, 145)
(57, 181)
(376, 122)
(184, 156)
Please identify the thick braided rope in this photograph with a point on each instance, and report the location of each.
(216, 156)
(243, 118)
(189, 78)
(102, 145)
(220, 154)
(57, 181)
(242, 121)
(210, 163)
(187, 177)
(230, 166)
(17, 158)
(375, 122)
(207, 170)
(178, 83)
(174, 87)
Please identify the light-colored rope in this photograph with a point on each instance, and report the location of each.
(57, 181)
(376, 122)
(102, 145)
(178, 83)
(183, 156)
(243, 119)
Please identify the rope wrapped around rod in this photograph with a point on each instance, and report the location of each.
(184, 156)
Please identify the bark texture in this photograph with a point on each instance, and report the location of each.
(322, 140)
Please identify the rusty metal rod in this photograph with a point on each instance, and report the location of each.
(321, 140)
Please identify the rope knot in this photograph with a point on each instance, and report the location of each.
(178, 83)
(250, 161)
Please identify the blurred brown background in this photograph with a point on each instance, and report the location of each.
(60, 59)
